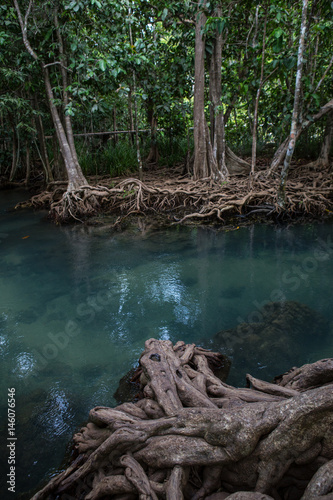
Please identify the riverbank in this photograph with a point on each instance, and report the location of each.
(172, 198)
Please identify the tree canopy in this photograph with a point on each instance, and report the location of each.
(232, 75)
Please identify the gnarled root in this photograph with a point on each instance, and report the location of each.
(205, 439)
(204, 199)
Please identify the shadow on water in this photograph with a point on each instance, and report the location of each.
(77, 305)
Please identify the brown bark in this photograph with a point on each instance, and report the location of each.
(257, 446)
(202, 167)
(217, 118)
(212, 157)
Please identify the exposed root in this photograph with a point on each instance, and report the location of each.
(180, 198)
(271, 441)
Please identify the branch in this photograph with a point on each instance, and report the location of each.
(325, 109)
(326, 71)
(24, 28)
(60, 64)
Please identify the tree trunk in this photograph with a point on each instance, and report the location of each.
(327, 142)
(153, 155)
(294, 119)
(205, 164)
(42, 150)
(136, 124)
(76, 178)
(215, 90)
(256, 106)
(212, 157)
(114, 116)
(130, 116)
(323, 159)
(79, 177)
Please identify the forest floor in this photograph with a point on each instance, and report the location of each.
(169, 197)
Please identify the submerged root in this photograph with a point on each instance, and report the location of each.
(208, 439)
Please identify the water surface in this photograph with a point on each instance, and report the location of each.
(77, 304)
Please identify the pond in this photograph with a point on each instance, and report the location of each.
(78, 303)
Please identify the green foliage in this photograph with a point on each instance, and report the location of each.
(101, 59)
(173, 149)
(113, 159)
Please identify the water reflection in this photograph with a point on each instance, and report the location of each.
(55, 415)
(24, 365)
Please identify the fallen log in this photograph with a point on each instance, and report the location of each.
(192, 436)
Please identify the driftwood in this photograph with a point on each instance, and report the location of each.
(195, 437)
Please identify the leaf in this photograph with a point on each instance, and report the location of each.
(48, 34)
(316, 97)
(69, 111)
(102, 64)
(278, 32)
(220, 25)
(289, 62)
(164, 14)
(277, 47)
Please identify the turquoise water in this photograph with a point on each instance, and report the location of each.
(77, 304)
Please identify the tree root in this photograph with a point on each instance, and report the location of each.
(270, 441)
(307, 192)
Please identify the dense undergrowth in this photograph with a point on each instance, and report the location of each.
(117, 158)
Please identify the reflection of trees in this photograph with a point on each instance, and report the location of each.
(81, 259)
